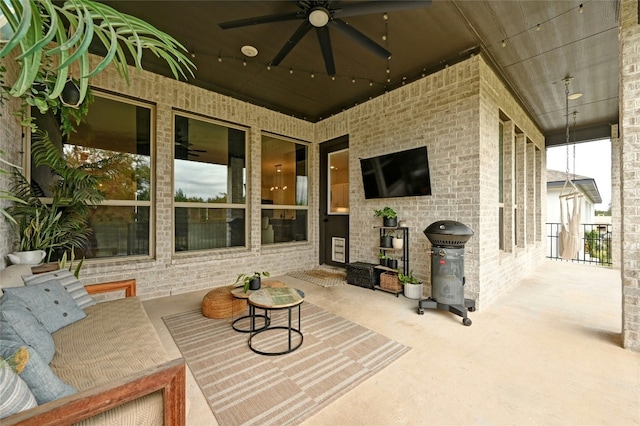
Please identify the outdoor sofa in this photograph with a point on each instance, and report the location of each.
(112, 360)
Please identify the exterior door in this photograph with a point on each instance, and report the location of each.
(334, 202)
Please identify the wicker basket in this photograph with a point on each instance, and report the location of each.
(390, 281)
(220, 303)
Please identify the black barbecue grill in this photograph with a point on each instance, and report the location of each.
(448, 239)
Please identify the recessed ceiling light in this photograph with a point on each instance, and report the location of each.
(249, 51)
(574, 96)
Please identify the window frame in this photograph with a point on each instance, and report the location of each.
(97, 93)
(213, 206)
(296, 207)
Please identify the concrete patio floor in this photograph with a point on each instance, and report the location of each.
(549, 352)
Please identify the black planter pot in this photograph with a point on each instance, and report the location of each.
(70, 95)
(383, 262)
(386, 241)
(254, 283)
(392, 263)
(390, 221)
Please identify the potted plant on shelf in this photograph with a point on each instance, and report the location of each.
(383, 258)
(398, 240)
(412, 286)
(386, 239)
(251, 282)
(388, 215)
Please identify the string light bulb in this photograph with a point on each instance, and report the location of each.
(504, 43)
(581, 8)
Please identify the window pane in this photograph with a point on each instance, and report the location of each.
(111, 128)
(338, 182)
(287, 225)
(209, 165)
(284, 172)
(117, 231)
(208, 228)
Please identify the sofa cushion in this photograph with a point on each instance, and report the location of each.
(42, 382)
(15, 395)
(68, 281)
(50, 303)
(18, 324)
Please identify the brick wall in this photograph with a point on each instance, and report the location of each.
(11, 144)
(630, 170)
(454, 113)
(167, 273)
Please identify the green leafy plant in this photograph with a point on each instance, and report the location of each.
(246, 279)
(387, 213)
(6, 195)
(62, 263)
(45, 34)
(61, 223)
(408, 279)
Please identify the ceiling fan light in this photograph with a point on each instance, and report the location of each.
(249, 51)
(319, 17)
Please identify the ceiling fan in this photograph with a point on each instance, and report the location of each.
(323, 15)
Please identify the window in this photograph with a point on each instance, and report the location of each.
(121, 131)
(209, 174)
(284, 190)
(338, 185)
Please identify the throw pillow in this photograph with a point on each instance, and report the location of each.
(15, 395)
(42, 381)
(18, 324)
(50, 303)
(68, 281)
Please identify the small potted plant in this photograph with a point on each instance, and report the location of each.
(252, 282)
(398, 241)
(383, 258)
(388, 215)
(386, 239)
(412, 286)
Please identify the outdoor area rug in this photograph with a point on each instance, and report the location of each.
(321, 277)
(245, 388)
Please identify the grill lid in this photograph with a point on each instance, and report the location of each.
(448, 233)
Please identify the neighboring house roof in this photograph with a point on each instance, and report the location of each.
(556, 179)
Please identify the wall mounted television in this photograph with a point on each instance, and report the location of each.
(399, 174)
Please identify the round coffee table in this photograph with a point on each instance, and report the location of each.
(271, 299)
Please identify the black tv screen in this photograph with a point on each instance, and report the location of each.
(399, 174)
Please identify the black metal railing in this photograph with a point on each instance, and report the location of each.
(595, 248)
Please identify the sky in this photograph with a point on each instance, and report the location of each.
(592, 159)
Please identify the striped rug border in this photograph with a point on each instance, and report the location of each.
(243, 388)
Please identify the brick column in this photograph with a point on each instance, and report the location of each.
(616, 230)
(630, 171)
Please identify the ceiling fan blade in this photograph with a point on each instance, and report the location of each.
(325, 47)
(262, 20)
(197, 150)
(345, 10)
(302, 30)
(358, 37)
